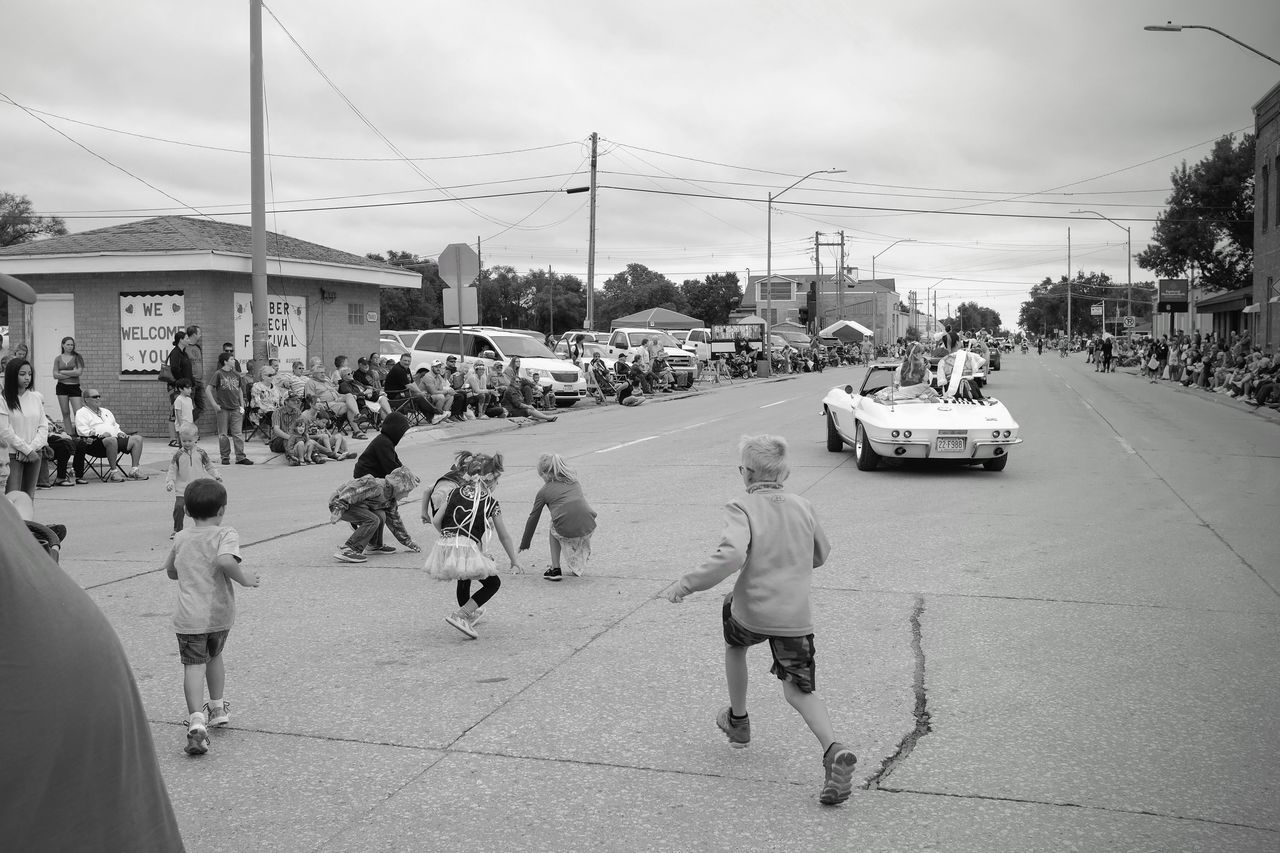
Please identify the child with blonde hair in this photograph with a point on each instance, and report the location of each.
(774, 541)
(572, 519)
(465, 522)
(187, 463)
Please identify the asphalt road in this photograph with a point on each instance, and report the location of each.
(1078, 653)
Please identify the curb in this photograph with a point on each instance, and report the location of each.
(1264, 412)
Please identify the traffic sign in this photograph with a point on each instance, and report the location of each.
(459, 265)
(1097, 309)
(1130, 322)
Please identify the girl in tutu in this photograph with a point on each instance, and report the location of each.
(572, 519)
(466, 521)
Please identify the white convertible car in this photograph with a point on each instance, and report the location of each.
(882, 424)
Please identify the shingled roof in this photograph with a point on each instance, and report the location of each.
(184, 234)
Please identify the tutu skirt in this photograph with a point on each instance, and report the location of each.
(574, 553)
(455, 558)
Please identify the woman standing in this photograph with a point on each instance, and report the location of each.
(23, 432)
(67, 367)
(180, 366)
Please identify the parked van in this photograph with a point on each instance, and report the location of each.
(564, 379)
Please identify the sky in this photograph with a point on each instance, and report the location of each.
(968, 131)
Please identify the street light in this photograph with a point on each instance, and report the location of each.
(873, 275)
(1129, 239)
(1171, 27)
(931, 307)
(768, 274)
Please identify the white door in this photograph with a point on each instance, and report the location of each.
(53, 318)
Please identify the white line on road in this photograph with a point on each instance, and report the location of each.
(627, 444)
(770, 405)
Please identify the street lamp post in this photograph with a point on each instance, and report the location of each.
(768, 273)
(873, 276)
(1129, 242)
(931, 307)
(1171, 27)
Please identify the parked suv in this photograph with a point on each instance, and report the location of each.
(627, 342)
(565, 380)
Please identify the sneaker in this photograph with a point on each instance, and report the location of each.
(739, 733)
(460, 621)
(839, 763)
(225, 462)
(244, 460)
(347, 555)
(115, 477)
(197, 735)
(552, 574)
(220, 716)
(382, 549)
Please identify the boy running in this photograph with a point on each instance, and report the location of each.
(770, 601)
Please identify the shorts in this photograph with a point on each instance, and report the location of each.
(196, 649)
(65, 389)
(792, 656)
(95, 447)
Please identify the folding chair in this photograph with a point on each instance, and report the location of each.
(86, 459)
(262, 427)
(407, 405)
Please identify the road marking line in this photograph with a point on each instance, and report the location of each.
(770, 405)
(692, 426)
(627, 444)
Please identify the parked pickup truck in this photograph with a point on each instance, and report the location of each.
(626, 342)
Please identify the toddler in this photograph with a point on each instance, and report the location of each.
(572, 519)
(204, 560)
(183, 465)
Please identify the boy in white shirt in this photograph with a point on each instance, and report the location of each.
(183, 407)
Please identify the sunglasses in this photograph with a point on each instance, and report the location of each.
(95, 397)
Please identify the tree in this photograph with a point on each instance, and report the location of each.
(19, 223)
(972, 317)
(711, 299)
(635, 288)
(1208, 225)
(404, 308)
(1046, 310)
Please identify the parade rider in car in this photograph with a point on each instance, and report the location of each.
(955, 373)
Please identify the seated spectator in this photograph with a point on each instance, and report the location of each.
(640, 377)
(477, 382)
(323, 394)
(61, 447)
(627, 395)
(289, 434)
(368, 398)
(543, 396)
(325, 433)
(400, 387)
(294, 384)
(434, 383)
(265, 396)
(103, 437)
(663, 375)
(513, 401)
(464, 394)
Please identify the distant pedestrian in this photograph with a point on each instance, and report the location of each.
(774, 540)
(186, 464)
(572, 518)
(1108, 347)
(466, 521)
(204, 560)
(67, 367)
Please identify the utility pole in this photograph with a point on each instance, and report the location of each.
(591, 242)
(817, 306)
(1068, 287)
(840, 283)
(258, 186)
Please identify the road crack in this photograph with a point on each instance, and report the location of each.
(923, 723)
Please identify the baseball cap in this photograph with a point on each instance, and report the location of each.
(437, 361)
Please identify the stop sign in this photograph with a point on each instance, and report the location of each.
(459, 265)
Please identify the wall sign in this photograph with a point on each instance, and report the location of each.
(286, 328)
(148, 322)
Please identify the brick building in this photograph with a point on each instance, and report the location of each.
(122, 291)
(1264, 312)
(872, 303)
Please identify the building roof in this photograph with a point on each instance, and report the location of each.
(182, 242)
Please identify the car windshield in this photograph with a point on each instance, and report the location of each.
(680, 336)
(386, 346)
(663, 339)
(522, 345)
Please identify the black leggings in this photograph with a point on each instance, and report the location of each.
(488, 586)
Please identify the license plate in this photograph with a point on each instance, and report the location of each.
(949, 445)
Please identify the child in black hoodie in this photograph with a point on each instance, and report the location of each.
(379, 458)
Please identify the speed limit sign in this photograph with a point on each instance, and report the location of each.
(1129, 322)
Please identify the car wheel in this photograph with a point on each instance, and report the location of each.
(864, 454)
(996, 463)
(835, 443)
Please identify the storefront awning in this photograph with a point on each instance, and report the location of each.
(1251, 309)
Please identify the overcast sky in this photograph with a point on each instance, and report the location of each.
(972, 129)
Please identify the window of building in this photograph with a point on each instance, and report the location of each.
(1266, 194)
(782, 290)
(355, 313)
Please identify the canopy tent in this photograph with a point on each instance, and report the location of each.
(749, 320)
(847, 330)
(658, 318)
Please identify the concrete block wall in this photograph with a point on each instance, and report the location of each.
(141, 404)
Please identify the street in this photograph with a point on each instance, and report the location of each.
(1076, 653)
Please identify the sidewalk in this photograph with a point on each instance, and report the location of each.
(1264, 412)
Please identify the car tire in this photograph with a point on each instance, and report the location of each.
(996, 463)
(864, 454)
(835, 442)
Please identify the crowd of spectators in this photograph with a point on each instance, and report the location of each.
(1232, 366)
